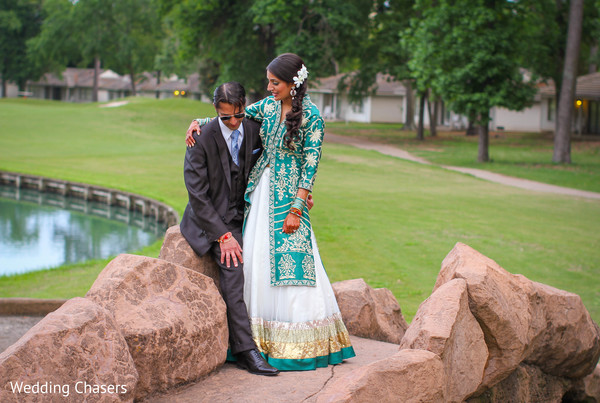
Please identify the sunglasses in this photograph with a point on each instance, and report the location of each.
(237, 116)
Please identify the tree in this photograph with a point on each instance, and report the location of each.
(562, 143)
(55, 46)
(465, 51)
(133, 50)
(125, 34)
(20, 20)
(545, 39)
(383, 49)
(237, 39)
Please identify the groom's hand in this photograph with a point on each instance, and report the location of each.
(231, 251)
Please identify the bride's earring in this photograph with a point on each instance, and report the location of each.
(293, 92)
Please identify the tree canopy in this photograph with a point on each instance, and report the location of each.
(237, 39)
(464, 50)
(20, 20)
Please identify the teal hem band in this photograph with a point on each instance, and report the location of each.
(306, 364)
(310, 364)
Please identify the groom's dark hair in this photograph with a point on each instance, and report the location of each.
(232, 93)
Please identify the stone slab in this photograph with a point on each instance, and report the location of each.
(230, 384)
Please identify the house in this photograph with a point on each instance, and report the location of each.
(76, 85)
(386, 105)
(541, 116)
(170, 87)
(12, 90)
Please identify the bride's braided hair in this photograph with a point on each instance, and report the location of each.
(286, 67)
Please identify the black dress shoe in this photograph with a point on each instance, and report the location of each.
(254, 363)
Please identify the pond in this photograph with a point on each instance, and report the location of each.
(44, 230)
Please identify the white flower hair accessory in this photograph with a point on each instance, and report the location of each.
(301, 77)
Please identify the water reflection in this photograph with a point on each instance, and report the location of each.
(42, 230)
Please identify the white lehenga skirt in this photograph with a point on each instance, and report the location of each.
(295, 327)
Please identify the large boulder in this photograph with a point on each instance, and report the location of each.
(445, 326)
(74, 354)
(515, 314)
(586, 389)
(592, 385)
(407, 376)
(370, 313)
(569, 344)
(173, 319)
(176, 249)
(526, 384)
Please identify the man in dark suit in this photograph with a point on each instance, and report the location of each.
(216, 173)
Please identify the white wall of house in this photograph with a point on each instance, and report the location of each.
(527, 120)
(356, 112)
(548, 114)
(387, 109)
(12, 91)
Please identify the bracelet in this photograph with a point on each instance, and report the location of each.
(296, 212)
(299, 203)
(225, 237)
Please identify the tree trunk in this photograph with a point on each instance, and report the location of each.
(132, 78)
(562, 140)
(96, 77)
(421, 126)
(471, 129)
(3, 87)
(409, 124)
(157, 84)
(433, 117)
(484, 142)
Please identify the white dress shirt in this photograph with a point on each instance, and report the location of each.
(227, 135)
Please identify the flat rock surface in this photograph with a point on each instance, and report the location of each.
(230, 384)
(13, 327)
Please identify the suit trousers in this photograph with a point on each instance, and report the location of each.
(232, 290)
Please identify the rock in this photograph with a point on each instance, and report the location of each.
(407, 376)
(370, 313)
(176, 249)
(445, 326)
(74, 354)
(586, 389)
(526, 384)
(173, 319)
(516, 317)
(592, 384)
(569, 345)
(499, 300)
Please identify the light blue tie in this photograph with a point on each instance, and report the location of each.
(235, 148)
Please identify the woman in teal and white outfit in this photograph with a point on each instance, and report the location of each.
(295, 319)
(294, 316)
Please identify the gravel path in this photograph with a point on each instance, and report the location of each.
(479, 173)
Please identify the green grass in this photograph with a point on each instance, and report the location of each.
(524, 155)
(386, 220)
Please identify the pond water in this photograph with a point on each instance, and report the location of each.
(44, 230)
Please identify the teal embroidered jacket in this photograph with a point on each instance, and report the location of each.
(292, 261)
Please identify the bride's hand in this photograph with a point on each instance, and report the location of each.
(291, 223)
(189, 138)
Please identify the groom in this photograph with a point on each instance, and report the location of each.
(216, 173)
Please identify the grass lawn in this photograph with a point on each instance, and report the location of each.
(386, 220)
(524, 155)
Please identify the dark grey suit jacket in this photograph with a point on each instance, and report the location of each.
(207, 176)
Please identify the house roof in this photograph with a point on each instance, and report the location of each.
(385, 85)
(108, 79)
(588, 86)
